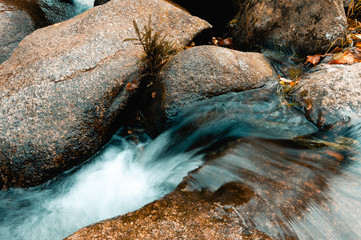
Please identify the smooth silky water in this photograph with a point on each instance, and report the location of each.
(305, 188)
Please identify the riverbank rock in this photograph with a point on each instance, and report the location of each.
(304, 26)
(17, 19)
(203, 72)
(63, 91)
(59, 10)
(331, 93)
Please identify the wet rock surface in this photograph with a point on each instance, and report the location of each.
(63, 90)
(331, 94)
(304, 26)
(204, 72)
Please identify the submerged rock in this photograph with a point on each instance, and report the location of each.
(304, 26)
(331, 93)
(203, 72)
(63, 90)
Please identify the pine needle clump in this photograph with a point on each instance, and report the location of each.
(157, 50)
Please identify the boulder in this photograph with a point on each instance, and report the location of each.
(59, 10)
(331, 93)
(203, 72)
(304, 26)
(63, 91)
(15, 25)
(17, 19)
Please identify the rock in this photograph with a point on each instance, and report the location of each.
(177, 216)
(15, 25)
(204, 72)
(59, 10)
(63, 90)
(17, 19)
(331, 93)
(304, 26)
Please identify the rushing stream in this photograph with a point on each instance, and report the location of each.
(306, 188)
(307, 183)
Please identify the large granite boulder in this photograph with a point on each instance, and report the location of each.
(203, 72)
(304, 26)
(331, 93)
(17, 19)
(63, 91)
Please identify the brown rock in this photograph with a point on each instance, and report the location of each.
(331, 93)
(63, 90)
(304, 26)
(17, 19)
(14, 25)
(204, 72)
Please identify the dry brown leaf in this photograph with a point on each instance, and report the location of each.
(346, 57)
(334, 154)
(314, 59)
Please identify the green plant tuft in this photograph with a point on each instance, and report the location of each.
(157, 50)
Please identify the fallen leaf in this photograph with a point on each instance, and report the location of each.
(314, 59)
(344, 58)
(334, 154)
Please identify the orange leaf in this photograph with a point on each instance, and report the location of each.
(346, 58)
(314, 59)
(334, 154)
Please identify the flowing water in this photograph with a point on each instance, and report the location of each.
(306, 188)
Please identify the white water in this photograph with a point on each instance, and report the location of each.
(123, 178)
(83, 5)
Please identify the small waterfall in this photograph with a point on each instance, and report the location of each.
(121, 178)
